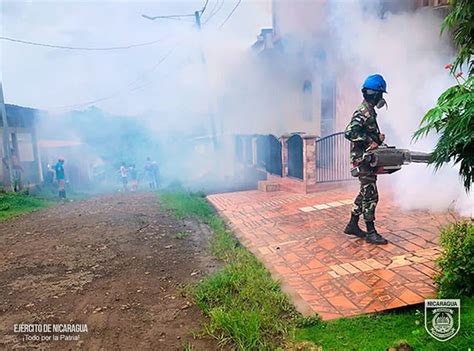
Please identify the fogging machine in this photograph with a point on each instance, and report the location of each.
(388, 159)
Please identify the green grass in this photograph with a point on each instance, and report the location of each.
(184, 204)
(382, 330)
(245, 305)
(13, 204)
(248, 310)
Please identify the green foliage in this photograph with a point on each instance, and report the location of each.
(245, 305)
(12, 204)
(453, 119)
(457, 261)
(453, 116)
(389, 329)
(460, 20)
(184, 204)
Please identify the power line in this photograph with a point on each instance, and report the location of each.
(170, 17)
(80, 48)
(121, 91)
(230, 14)
(214, 11)
(204, 7)
(138, 87)
(214, 7)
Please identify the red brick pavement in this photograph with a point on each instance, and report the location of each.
(326, 271)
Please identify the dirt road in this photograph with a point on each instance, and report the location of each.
(114, 264)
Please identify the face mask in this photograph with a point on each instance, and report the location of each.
(381, 103)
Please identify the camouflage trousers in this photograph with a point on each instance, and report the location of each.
(366, 201)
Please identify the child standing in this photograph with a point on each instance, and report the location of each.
(124, 176)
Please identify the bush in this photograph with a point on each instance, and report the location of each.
(457, 261)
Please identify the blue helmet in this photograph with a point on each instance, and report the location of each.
(375, 82)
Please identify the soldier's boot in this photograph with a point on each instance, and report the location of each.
(353, 227)
(373, 237)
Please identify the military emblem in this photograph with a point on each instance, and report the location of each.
(442, 318)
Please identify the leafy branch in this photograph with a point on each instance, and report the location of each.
(453, 116)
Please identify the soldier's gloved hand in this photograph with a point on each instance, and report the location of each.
(382, 137)
(373, 145)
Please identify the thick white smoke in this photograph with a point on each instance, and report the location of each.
(404, 46)
(246, 94)
(408, 50)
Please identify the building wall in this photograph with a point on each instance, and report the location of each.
(431, 3)
(22, 135)
(300, 30)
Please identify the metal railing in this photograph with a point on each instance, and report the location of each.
(333, 158)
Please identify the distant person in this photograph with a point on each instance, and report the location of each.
(133, 178)
(124, 175)
(60, 177)
(17, 172)
(151, 173)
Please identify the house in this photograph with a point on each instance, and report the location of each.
(21, 139)
(308, 84)
(312, 86)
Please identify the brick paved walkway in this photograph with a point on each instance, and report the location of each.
(299, 239)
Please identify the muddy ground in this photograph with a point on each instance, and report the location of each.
(114, 263)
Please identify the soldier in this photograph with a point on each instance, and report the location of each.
(364, 134)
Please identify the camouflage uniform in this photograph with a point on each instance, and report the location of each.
(362, 131)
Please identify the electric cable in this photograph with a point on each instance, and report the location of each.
(120, 91)
(230, 14)
(214, 12)
(80, 48)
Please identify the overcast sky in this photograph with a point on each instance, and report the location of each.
(49, 78)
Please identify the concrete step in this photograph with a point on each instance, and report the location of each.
(266, 186)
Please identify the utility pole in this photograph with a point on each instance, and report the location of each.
(197, 17)
(7, 161)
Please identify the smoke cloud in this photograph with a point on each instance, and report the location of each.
(408, 50)
(171, 94)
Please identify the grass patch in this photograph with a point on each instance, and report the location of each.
(383, 330)
(13, 204)
(245, 305)
(184, 204)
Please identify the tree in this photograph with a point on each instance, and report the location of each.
(453, 116)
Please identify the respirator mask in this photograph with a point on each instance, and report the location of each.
(375, 97)
(379, 100)
(381, 103)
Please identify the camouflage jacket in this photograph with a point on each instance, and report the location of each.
(362, 131)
